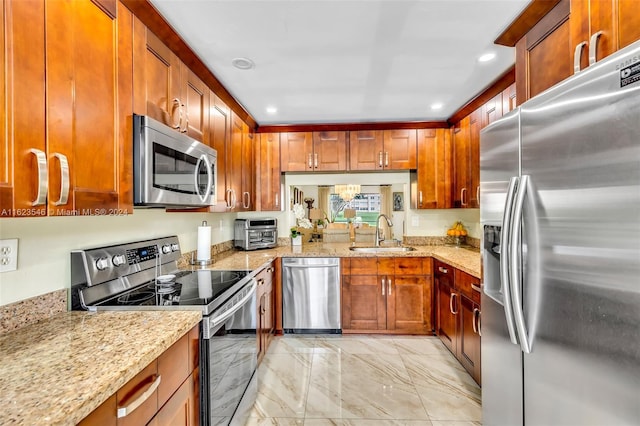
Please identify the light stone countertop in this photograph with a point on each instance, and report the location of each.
(467, 260)
(57, 371)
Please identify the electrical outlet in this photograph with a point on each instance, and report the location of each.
(415, 221)
(8, 255)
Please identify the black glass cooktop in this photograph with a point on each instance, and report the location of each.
(189, 288)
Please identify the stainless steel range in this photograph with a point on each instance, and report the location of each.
(144, 275)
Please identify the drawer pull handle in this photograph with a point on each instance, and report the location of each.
(43, 177)
(125, 411)
(443, 270)
(476, 311)
(476, 288)
(593, 48)
(383, 283)
(577, 56)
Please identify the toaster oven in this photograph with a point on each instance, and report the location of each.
(253, 234)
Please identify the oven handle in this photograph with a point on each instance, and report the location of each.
(227, 314)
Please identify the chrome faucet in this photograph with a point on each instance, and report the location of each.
(378, 237)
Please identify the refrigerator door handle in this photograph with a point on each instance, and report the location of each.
(504, 258)
(516, 263)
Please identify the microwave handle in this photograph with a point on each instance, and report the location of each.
(203, 197)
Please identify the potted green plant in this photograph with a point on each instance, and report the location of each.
(296, 237)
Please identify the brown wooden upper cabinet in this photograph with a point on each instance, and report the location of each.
(77, 161)
(600, 28)
(383, 150)
(544, 56)
(313, 151)
(573, 35)
(431, 182)
(268, 192)
(166, 89)
(220, 139)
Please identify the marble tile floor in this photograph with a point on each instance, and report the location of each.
(317, 380)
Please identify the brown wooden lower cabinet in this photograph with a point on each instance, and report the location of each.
(387, 295)
(167, 390)
(458, 315)
(265, 307)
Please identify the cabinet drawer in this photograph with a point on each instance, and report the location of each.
(134, 391)
(173, 366)
(386, 266)
(468, 285)
(408, 266)
(364, 266)
(444, 273)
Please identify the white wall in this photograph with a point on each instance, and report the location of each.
(45, 243)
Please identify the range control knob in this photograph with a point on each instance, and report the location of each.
(175, 247)
(166, 249)
(102, 263)
(119, 260)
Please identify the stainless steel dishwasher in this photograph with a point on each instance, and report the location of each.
(311, 294)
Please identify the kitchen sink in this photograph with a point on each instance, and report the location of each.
(381, 249)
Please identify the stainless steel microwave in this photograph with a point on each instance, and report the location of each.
(171, 169)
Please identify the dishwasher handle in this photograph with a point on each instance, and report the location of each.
(298, 266)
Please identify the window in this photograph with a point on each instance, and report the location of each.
(367, 207)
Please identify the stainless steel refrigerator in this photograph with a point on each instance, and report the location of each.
(560, 210)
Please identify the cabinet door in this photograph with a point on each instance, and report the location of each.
(431, 183)
(296, 152)
(89, 103)
(509, 99)
(161, 70)
(544, 56)
(628, 23)
(409, 303)
(469, 338)
(472, 197)
(234, 163)
(248, 168)
(22, 111)
(461, 155)
(269, 172)
(366, 150)
(196, 106)
(363, 303)
(329, 151)
(220, 140)
(400, 149)
(180, 410)
(446, 326)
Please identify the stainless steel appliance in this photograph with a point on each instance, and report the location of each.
(560, 209)
(144, 275)
(171, 169)
(253, 234)
(311, 294)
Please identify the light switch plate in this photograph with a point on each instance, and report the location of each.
(415, 221)
(8, 255)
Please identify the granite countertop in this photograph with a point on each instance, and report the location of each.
(467, 260)
(58, 371)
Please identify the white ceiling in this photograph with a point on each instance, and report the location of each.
(330, 61)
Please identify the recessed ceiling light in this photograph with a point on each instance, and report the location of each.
(243, 63)
(272, 109)
(437, 105)
(486, 57)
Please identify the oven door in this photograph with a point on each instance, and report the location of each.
(171, 169)
(229, 356)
